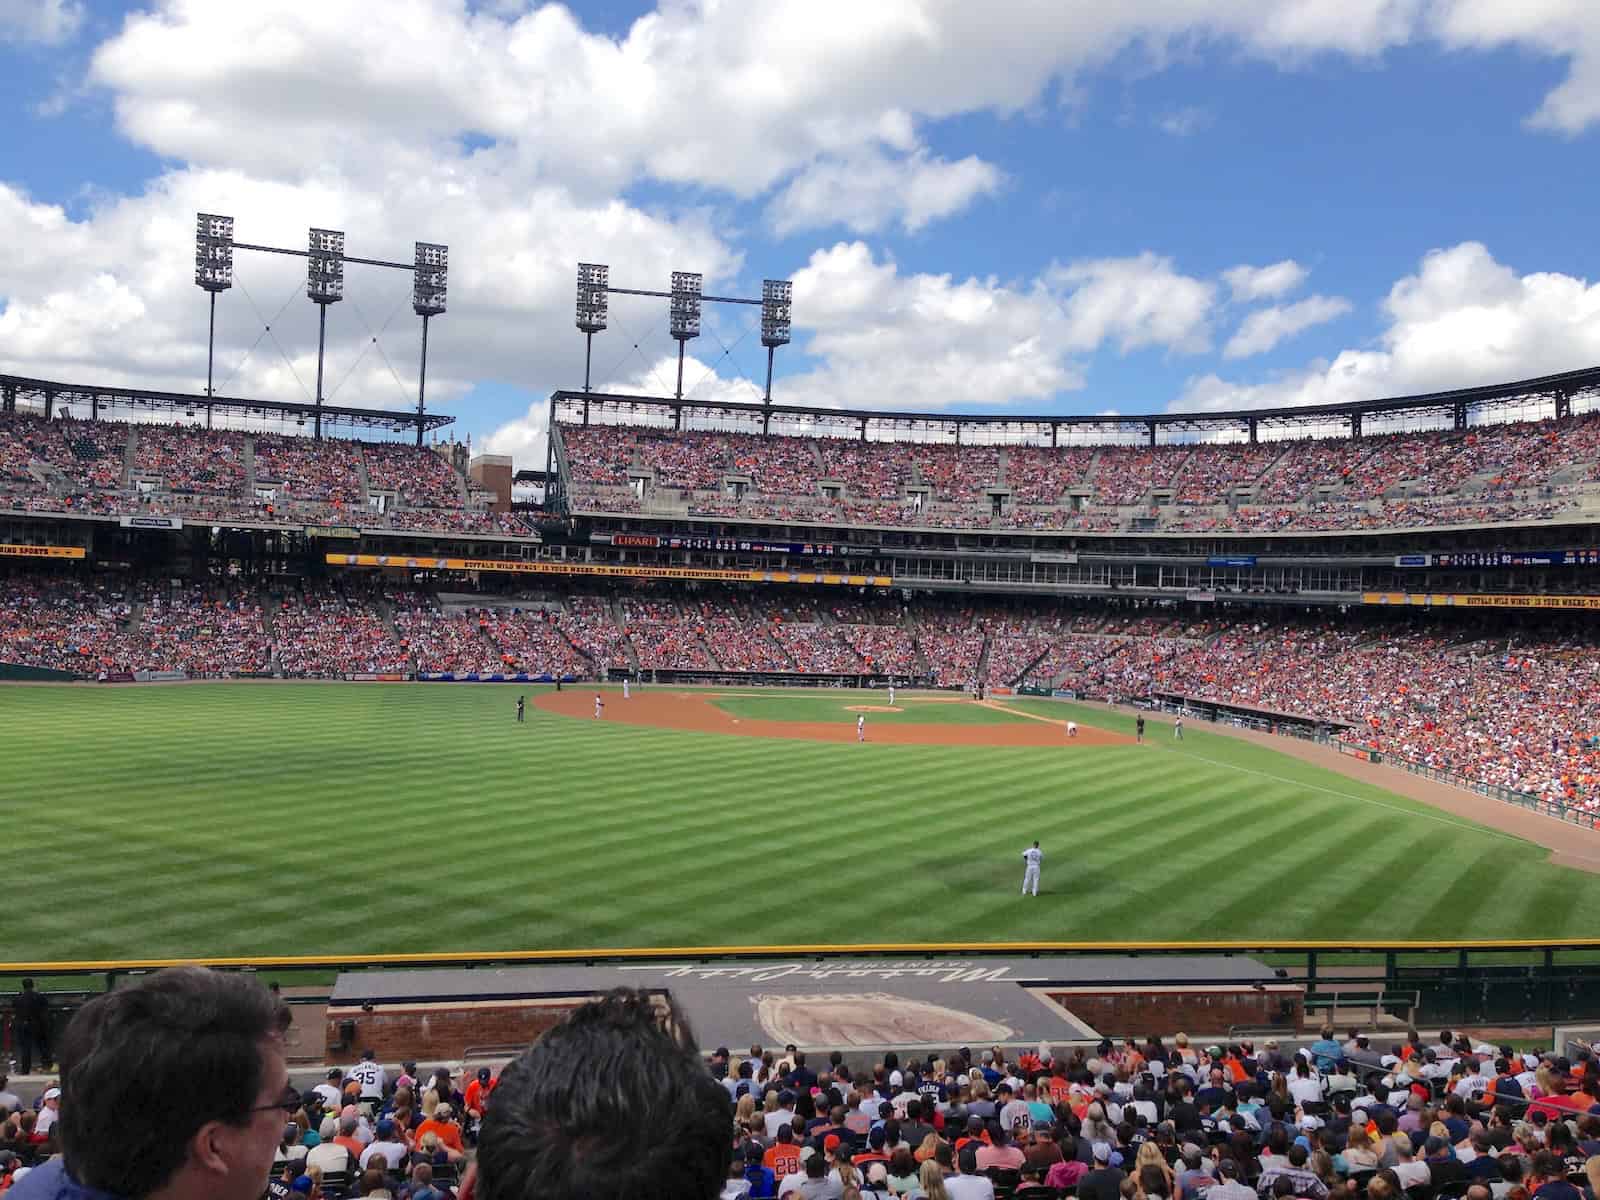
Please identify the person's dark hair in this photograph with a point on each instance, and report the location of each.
(188, 1035)
(816, 1167)
(611, 1102)
(903, 1164)
(1153, 1180)
(968, 1158)
(1282, 1187)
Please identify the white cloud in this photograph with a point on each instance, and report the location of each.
(41, 22)
(1266, 327)
(1185, 121)
(1567, 29)
(111, 298)
(907, 341)
(1249, 284)
(1135, 302)
(868, 193)
(1461, 319)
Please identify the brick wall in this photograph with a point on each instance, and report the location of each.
(425, 1031)
(1204, 1011)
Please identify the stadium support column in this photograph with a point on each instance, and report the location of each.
(1563, 405)
(422, 378)
(1055, 434)
(322, 342)
(1150, 432)
(8, 398)
(1253, 431)
(1355, 426)
(211, 346)
(1460, 415)
(49, 404)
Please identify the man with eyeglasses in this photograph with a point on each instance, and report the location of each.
(172, 1088)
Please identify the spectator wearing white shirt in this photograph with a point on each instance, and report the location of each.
(389, 1144)
(369, 1073)
(782, 1115)
(1305, 1087)
(332, 1089)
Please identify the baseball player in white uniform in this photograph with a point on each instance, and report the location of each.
(599, 706)
(861, 727)
(891, 695)
(1177, 728)
(1072, 729)
(626, 689)
(1030, 873)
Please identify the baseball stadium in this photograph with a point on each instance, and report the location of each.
(860, 731)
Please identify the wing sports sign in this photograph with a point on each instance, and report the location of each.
(707, 574)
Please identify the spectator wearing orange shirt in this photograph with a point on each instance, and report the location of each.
(442, 1125)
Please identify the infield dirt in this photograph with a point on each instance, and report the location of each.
(669, 709)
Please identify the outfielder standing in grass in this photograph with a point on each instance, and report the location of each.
(861, 727)
(1177, 727)
(1030, 873)
(521, 700)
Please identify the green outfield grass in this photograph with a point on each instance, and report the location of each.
(833, 707)
(326, 818)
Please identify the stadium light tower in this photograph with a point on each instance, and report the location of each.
(325, 286)
(430, 277)
(683, 320)
(213, 271)
(776, 295)
(594, 280)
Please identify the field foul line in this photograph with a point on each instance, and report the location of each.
(1310, 787)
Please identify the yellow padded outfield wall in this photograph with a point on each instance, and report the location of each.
(1476, 600)
(7, 549)
(708, 574)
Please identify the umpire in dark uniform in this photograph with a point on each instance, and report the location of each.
(30, 1026)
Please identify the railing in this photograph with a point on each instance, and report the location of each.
(1571, 814)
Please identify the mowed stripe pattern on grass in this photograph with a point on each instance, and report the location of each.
(342, 819)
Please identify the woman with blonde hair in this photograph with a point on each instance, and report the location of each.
(932, 1180)
(1359, 1154)
(1150, 1156)
(743, 1111)
(930, 1146)
(1095, 1126)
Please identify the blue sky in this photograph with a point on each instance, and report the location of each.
(1071, 214)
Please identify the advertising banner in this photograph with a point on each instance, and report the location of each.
(151, 522)
(517, 566)
(13, 551)
(1479, 600)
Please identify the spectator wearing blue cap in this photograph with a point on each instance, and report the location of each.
(389, 1145)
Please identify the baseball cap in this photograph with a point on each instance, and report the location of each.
(877, 1137)
(301, 1185)
(877, 1173)
(830, 1143)
(385, 1128)
(896, 1079)
(807, 1152)
(52, 1093)
(1389, 1060)
(1102, 1152)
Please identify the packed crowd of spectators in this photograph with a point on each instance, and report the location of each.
(65, 623)
(190, 460)
(951, 641)
(200, 631)
(328, 471)
(89, 453)
(1041, 475)
(421, 477)
(327, 633)
(1210, 470)
(1151, 1119)
(1486, 474)
(536, 643)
